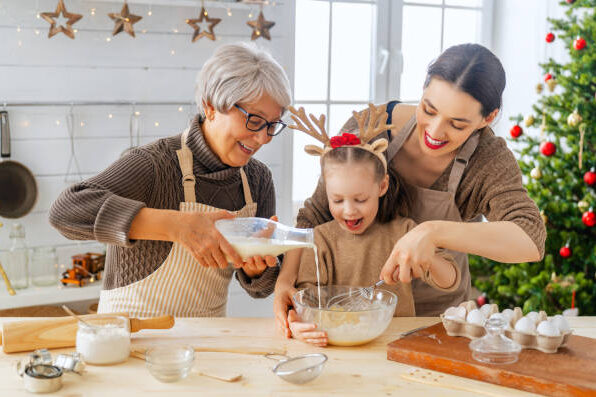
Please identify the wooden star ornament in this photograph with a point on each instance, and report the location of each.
(203, 16)
(124, 21)
(72, 19)
(260, 27)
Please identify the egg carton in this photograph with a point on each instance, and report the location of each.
(543, 343)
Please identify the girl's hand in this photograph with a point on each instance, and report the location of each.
(411, 255)
(198, 234)
(306, 331)
(281, 303)
(257, 264)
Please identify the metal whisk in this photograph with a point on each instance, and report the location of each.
(353, 300)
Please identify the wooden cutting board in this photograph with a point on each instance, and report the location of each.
(569, 372)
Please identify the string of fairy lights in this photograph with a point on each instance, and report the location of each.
(69, 21)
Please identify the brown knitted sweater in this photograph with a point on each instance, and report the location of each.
(102, 208)
(491, 186)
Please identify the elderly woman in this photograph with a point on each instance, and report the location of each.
(156, 206)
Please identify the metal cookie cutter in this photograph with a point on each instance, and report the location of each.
(42, 378)
(70, 363)
(299, 369)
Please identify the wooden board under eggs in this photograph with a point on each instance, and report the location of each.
(569, 372)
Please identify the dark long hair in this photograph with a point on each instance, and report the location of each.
(395, 201)
(474, 70)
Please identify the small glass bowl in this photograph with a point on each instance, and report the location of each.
(170, 363)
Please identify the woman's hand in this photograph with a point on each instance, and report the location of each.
(197, 232)
(306, 331)
(282, 301)
(411, 255)
(257, 264)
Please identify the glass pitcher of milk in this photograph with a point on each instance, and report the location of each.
(260, 237)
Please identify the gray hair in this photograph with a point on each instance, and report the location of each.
(240, 73)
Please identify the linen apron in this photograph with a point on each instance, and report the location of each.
(180, 287)
(431, 205)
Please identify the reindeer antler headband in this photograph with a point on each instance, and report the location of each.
(376, 124)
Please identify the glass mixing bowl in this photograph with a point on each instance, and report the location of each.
(356, 320)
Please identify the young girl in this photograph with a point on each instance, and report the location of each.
(353, 247)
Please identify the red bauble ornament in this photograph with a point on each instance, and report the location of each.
(565, 252)
(579, 43)
(481, 300)
(548, 148)
(550, 37)
(516, 131)
(570, 1)
(548, 76)
(589, 218)
(590, 177)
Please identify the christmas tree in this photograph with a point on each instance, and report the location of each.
(557, 159)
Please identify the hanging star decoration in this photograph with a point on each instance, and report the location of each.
(260, 27)
(124, 21)
(203, 16)
(72, 19)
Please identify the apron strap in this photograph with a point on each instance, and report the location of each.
(245, 187)
(461, 161)
(398, 141)
(185, 161)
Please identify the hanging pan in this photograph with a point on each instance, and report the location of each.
(18, 189)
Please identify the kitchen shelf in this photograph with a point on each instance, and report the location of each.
(53, 294)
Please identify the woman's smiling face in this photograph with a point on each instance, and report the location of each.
(446, 117)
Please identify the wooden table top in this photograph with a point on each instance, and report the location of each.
(350, 371)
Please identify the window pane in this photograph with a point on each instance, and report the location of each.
(461, 26)
(351, 51)
(339, 114)
(312, 47)
(464, 3)
(306, 169)
(421, 43)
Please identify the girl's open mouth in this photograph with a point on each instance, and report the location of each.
(353, 224)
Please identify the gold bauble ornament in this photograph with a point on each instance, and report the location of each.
(551, 84)
(539, 88)
(529, 120)
(544, 217)
(574, 119)
(536, 173)
(583, 206)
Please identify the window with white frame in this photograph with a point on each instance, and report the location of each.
(351, 52)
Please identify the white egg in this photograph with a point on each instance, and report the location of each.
(485, 309)
(508, 314)
(547, 328)
(534, 316)
(526, 324)
(476, 317)
(456, 313)
(561, 323)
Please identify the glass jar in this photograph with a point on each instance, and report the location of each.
(104, 340)
(43, 265)
(494, 347)
(17, 258)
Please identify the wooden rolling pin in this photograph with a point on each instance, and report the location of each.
(21, 336)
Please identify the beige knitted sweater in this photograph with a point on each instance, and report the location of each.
(357, 259)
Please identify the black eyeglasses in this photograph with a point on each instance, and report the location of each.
(256, 123)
